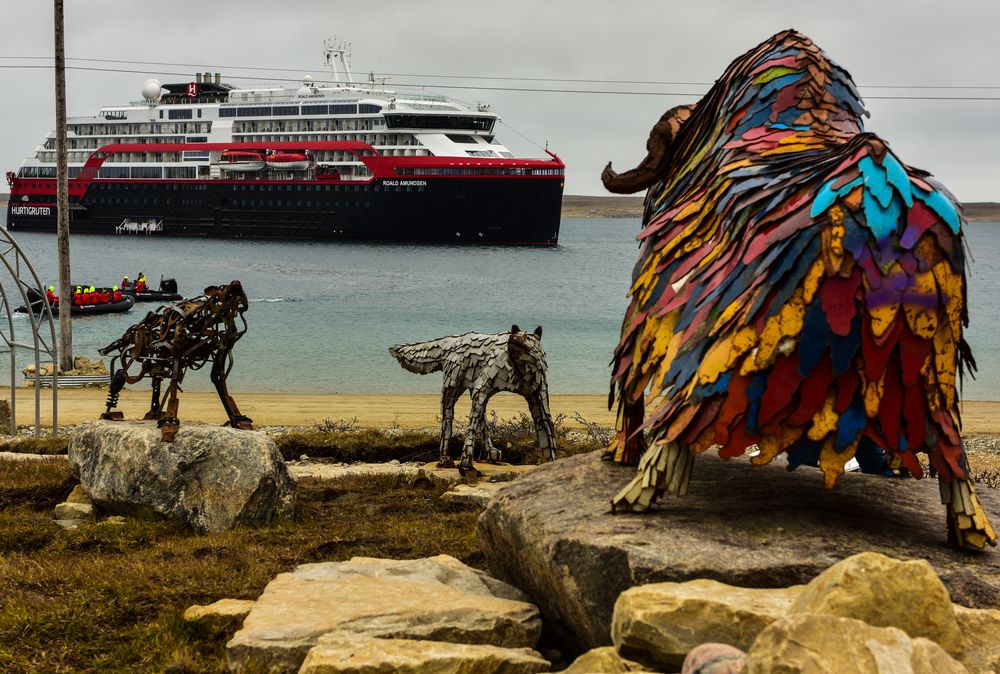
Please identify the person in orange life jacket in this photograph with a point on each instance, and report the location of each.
(78, 296)
(50, 295)
(116, 294)
(140, 283)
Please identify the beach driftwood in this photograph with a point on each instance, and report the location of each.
(174, 339)
(483, 365)
(799, 289)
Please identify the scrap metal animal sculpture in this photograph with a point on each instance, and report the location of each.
(483, 365)
(798, 288)
(178, 337)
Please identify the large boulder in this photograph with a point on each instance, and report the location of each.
(660, 623)
(552, 534)
(980, 629)
(435, 599)
(885, 592)
(813, 642)
(334, 654)
(212, 477)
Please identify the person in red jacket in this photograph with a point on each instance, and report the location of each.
(50, 295)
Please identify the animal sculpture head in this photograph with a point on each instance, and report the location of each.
(526, 352)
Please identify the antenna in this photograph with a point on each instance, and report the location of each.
(335, 50)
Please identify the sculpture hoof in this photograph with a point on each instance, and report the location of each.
(113, 416)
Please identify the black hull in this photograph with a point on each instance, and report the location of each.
(153, 296)
(515, 211)
(87, 309)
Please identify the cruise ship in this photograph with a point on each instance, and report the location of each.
(341, 160)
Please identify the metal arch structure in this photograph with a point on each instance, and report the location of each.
(42, 341)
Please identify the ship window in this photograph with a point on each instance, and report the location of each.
(286, 110)
(343, 109)
(227, 112)
(368, 107)
(315, 109)
(255, 112)
(457, 138)
(161, 114)
(179, 114)
(199, 113)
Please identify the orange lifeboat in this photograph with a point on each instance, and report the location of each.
(288, 161)
(242, 160)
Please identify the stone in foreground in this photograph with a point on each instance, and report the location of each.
(211, 477)
(223, 614)
(659, 624)
(714, 659)
(334, 654)
(811, 642)
(885, 592)
(552, 534)
(603, 660)
(980, 639)
(436, 599)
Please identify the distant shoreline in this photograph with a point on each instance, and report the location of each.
(576, 206)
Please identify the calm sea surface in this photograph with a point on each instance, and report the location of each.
(323, 315)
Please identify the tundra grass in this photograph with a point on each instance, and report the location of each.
(109, 597)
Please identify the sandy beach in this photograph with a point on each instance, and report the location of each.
(375, 411)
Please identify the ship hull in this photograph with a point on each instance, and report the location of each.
(516, 211)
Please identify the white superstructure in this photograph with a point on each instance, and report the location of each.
(206, 110)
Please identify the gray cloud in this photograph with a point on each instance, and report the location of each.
(914, 42)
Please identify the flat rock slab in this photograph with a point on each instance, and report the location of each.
(552, 534)
(478, 495)
(436, 599)
(18, 456)
(444, 477)
(336, 655)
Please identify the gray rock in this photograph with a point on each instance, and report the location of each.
(436, 599)
(212, 477)
(552, 534)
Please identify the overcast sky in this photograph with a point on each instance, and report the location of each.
(916, 42)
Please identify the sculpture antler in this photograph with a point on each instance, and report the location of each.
(659, 149)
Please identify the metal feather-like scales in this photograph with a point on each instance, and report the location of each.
(798, 288)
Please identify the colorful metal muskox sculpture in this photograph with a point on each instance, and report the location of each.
(175, 338)
(798, 288)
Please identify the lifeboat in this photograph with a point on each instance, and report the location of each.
(288, 161)
(242, 160)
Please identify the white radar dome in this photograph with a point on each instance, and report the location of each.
(151, 90)
(307, 79)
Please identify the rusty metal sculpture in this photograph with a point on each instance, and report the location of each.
(175, 338)
(798, 288)
(483, 365)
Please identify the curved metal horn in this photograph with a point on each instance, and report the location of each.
(658, 154)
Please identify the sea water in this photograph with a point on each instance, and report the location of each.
(322, 315)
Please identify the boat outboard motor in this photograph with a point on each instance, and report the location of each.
(168, 285)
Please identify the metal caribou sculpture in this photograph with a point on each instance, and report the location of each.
(175, 338)
(483, 365)
(798, 288)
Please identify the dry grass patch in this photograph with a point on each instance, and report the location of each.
(109, 597)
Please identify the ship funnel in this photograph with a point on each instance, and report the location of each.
(197, 78)
(218, 78)
(207, 79)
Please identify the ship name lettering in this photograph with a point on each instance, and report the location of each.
(31, 210)
(405, 183)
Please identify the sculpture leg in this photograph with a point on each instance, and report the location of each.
(218, 377)
(155, 406)
(968, 526)
(114, 389)
(490, 453)
(169, 423)
(449, 396)
(477, 426)
(538, 405)
(628, 444)
(665, 467)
